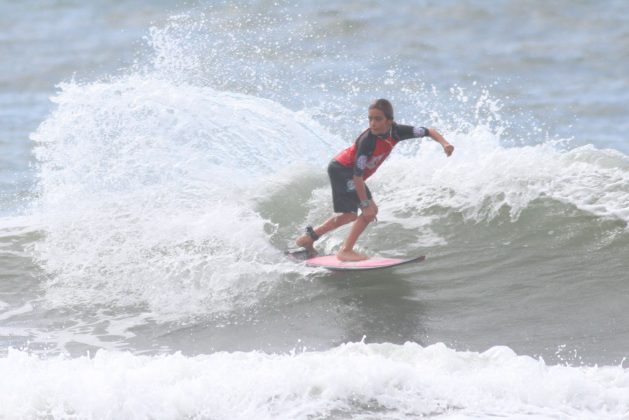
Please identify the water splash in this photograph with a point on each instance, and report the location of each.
(146, 191)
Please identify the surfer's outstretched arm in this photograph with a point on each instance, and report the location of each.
(436, 136)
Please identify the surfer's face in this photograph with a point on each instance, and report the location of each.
(378, 123)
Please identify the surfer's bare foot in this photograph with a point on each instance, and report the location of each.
(350, 256)
(306, 242)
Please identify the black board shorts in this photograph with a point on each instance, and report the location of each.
(344, 194)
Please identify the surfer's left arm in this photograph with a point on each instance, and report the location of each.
(436, 136)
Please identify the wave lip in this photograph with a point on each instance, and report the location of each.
(354, 380)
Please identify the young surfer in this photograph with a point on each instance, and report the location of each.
(349, 170)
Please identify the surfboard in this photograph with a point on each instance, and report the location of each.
(330, 262)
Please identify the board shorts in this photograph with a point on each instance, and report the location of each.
(344, 196)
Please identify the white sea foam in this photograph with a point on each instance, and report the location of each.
(356, 380)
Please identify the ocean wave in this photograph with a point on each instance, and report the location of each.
(148, 185)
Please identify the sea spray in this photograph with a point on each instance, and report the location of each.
(146, 192)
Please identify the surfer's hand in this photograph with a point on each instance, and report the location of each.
(448, 148)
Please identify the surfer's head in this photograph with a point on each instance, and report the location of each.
(380, 116)
(384, 106)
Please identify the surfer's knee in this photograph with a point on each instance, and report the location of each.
(368, 219)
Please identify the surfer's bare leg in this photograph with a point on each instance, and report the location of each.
(306, 241)
(347, 253)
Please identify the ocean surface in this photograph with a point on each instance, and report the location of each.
(157, 158)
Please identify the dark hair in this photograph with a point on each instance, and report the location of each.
(384, 106)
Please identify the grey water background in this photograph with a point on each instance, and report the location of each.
(561, 66)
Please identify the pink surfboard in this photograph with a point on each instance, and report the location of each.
(332, 263)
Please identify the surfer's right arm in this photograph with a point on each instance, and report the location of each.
(364, 150)
(371, 210)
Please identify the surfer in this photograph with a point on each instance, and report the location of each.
(349, 170)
